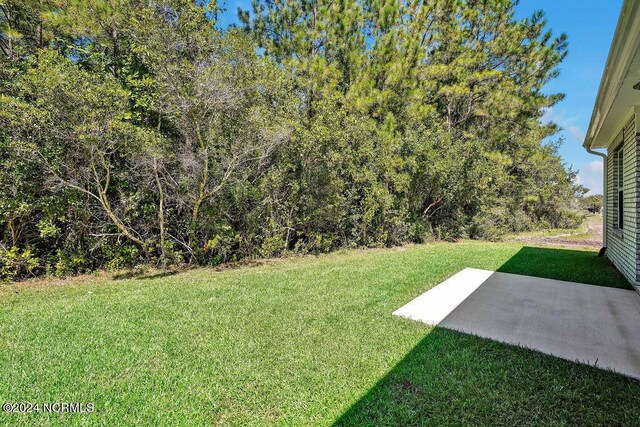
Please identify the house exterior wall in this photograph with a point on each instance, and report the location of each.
(623, 244)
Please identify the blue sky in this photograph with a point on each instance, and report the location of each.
(589, 25)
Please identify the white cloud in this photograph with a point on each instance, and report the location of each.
(566, 123)
(547, 115)
(591, 177)
(595, 166)
(576, 132)
(590, 174)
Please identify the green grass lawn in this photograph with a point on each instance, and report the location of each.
(306, 341)
(583, 232)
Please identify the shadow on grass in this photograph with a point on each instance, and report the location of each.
(450, 378)
(141, 275)
(565, 264)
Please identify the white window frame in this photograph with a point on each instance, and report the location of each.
(619, 186)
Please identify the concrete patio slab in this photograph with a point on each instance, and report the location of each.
(583, 323)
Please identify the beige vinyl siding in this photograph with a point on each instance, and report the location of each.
(623, 244)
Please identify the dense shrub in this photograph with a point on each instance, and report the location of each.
(141, 133)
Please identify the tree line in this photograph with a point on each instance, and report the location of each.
(139, 131)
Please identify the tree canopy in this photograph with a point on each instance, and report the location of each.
(141, 132)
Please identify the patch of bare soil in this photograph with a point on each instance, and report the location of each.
(592, 238)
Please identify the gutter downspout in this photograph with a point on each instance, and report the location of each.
(604, 197)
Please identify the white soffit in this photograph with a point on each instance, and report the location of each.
(621, 107)
(616, 96)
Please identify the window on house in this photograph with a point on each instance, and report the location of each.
(619, 186)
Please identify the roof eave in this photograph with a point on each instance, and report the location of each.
(623, 48)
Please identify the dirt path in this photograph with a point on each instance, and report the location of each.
(590, 236)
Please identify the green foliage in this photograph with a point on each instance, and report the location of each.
(135, 132)
(16, 263)
(70, 263)
(592, 204)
